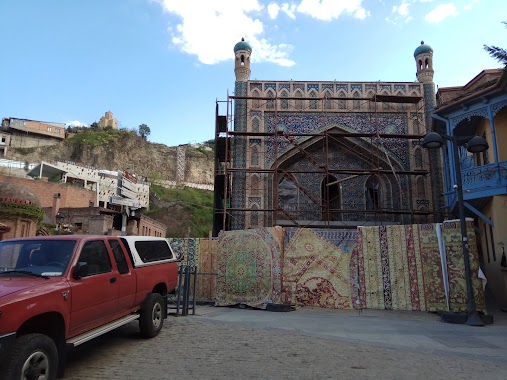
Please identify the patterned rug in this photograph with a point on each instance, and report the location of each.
(456, 266)
(316, 267)
(249, 267)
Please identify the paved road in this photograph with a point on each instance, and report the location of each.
(230, 343)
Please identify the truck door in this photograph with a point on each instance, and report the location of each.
(95, 295)
(126, 278)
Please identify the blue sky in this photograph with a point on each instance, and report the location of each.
(165, 62)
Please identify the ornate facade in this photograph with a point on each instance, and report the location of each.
(325, 153)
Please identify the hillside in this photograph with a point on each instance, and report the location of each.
(187, 212)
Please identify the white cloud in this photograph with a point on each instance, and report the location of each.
(469, 6)
(328, 10)
(401, 9)
(209, 30)
(75, 123)
(273, 10)
(441, 12)
(289, 10)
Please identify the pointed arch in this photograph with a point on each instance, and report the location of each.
(385, 105)
(254, 155)
(418, 158)
(255, 102)
(284, 103)
(328, 103)
(356, 104)
(342, 103)
(270, 104)
(298, 102)
(313, 102)
(421, 187)
(373, 193)
(254, 184)
(331, 198)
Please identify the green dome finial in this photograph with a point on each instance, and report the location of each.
(422, 48)
(242, 45)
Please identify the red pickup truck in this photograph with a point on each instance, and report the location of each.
(61, 291)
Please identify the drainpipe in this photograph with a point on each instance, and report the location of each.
(448, 160)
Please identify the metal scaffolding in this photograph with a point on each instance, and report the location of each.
(226, 137)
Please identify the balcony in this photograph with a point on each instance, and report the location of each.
(481, 182)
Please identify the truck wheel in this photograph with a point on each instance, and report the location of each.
(33, 356)
(152, 315)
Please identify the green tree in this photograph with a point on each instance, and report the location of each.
(144, 131)
(498, 53)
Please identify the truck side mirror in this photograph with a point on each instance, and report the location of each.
(80, 270)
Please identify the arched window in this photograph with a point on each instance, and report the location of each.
(328, 103)
(421, 188)
(284, 103)
(385, 105)
(313, 102)
(254, 184)
(420, 65)
(331, 198)
(418, 158)
(342, 103)
(254, 159)
(372, 193)
(427, 63)
(255, 125)
(299, 102)
(270, 104)
(255, 102)
(356, 103)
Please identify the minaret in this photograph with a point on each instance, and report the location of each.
(242, 51)
(424, 60)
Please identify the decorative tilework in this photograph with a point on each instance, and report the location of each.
(312, 86)
(327, 86)
(350, 122)
(254, 200)
(268, 86)
(284, 86)
(255, 86)
(255, 114)
(356, 87)
(255, 142)
(386, 87)
(416, 89)
(298, 86)
(342, 86)
(370, 87)
(401, 87)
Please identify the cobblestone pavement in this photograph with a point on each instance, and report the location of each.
(198, 348)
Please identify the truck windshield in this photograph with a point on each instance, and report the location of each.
(40, 257)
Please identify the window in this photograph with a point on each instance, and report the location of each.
(255, 102)
(153, 250)
(95, 254)
(328, 104)
(421, 188)
(270, 104)
(418, 159)
(284, 102)
(49, 129)
(299, 102)
(372, 193)
(356, 103)
(119, 256)
(313, 102)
